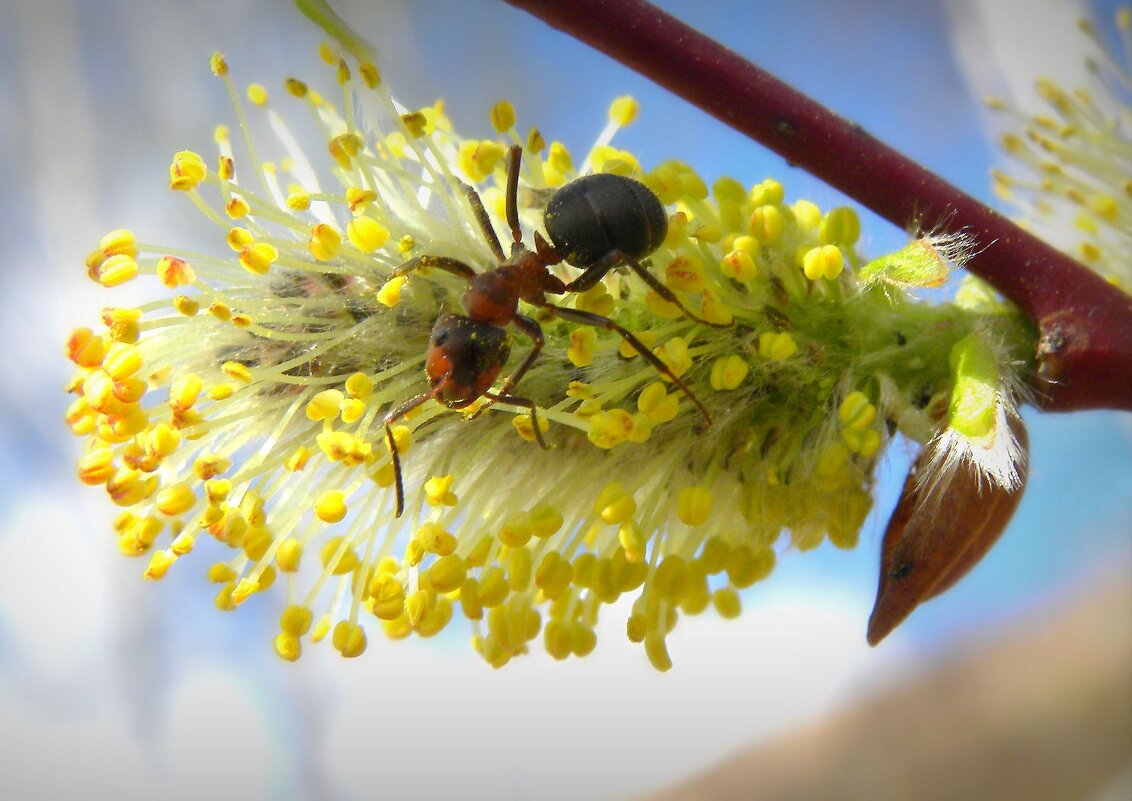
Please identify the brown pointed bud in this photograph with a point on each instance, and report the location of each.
(938, 532)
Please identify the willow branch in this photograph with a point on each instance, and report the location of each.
(1085, 324)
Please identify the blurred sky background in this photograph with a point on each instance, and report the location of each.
(111, 687)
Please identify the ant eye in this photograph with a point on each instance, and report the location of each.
(439, 337)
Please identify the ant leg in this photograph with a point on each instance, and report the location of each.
(514, 161)
(449, 265)
(390, 419)
(483, 221)
(515, 400)
(598, 321)
(531, 329)
(594, 272)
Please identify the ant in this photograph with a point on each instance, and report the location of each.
(595, 223)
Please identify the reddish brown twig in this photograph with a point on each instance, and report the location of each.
(1085, 353)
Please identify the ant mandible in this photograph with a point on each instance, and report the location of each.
(595, 223)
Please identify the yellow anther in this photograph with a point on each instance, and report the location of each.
(296, 620)
(865, 442)
(258, 258)
(186, 171)
(416, 123)
(615, 504)
(477, 159)
(841, 226)
(237, 207)
(581, 349)
(390, 293)
(85, 348)
(298, 460)
(388, 596)
(349, 639)
(118, 269)
(553, 575)
(610, 428)
(535, 142)
(359, 385)
(746, 565)
(856, 411)
(159, 565)
(241, 320)
(174, 272)
(1105, 206)
(657, 651)
(222, 391)
(438, 491)
(287, 646)
(634, 540)
(321, 628)
(343, 148)
(298, 200)
(418, 605)
(685, 274)
(766, 224)
(727, 603)
(627, 351)
(221, 573)
(525, 427)
(186, 306)
(516, 530)
(693, 505)
(366, 234)
(97, 466)
(807, 215)
(739, 265)
(358, 200)
(671, 579)
(121, 361)
(184, 392)
(447, 573)
(664, 309)
(595, 300)
(559, 161)
(122, 324)
(519, 569)
(728, 372)
(353, 410)
(777, 347)
(226, 168)
(325, 242)
(623, 110)
(769, 192)
(257, 94)
(545, 520)
(237, 370)
(336, 555)
(336, 445)
(325, 405)
(209, 465)
(244, 589)
(823, 262)
(493, 587)
(502, 116)
(370, 75)
(218, 64)
(330, 506)
(658, 404)
(120, 241)
(674, 353)
(217, 490)
(405, 244)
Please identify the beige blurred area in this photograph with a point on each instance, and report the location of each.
(1038, 711)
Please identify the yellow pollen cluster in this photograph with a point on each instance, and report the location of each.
(247, 414)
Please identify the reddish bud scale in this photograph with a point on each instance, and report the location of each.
(937, 534)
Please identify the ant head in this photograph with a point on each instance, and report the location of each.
(464, 358)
